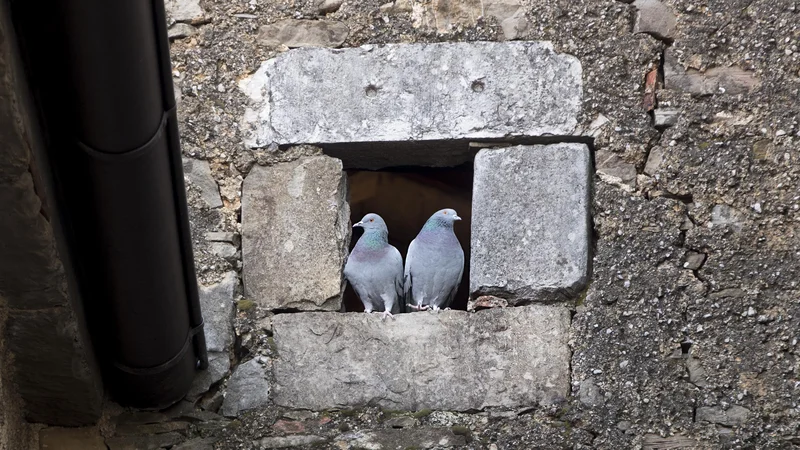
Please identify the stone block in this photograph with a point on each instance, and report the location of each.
(144, 442)
(184, 10)
(453, 360)
(219, 364)
(530, 222)
(656, 18)
(31, 274)
(198, 175)
(216, 303)
(53, 376)
(55, 438)
(248, 388)
(448, 16)
(418, 438)
(665, 117)
(716, 80)
(734, 416)
(613, 165)
(16, 158)
(295, 233)
(180, 31)
(197, 444)
(295, 33)
(413, 92)
(292, 441)
(328, 6)
(654, 160)
(656, 442)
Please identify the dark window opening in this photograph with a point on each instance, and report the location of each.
(406, 197)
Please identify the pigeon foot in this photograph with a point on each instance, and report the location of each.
(417, 308)
(387, 314)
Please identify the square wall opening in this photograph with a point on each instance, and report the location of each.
(406, 197)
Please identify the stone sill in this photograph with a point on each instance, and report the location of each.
(452, 360)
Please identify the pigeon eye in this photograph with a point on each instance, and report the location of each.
(372, 220)
(444, 212)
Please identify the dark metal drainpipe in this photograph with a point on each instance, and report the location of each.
(102, 83)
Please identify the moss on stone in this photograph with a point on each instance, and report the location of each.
(245, 305)
(422, 413)
(461, 430)
(349, 412)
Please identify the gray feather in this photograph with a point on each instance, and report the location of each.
(434, 263)
(375, 268)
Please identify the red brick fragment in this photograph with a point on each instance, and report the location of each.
(650, 80)
(289, 426)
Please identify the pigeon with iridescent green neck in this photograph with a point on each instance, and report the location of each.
(434, 264)
(375, 268)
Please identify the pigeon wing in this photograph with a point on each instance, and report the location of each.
(460, 261)
(395, 260)
(407, 281)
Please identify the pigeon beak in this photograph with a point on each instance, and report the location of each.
(456, 218)
(358, 224)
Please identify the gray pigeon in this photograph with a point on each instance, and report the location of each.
(434, 264)
(375, 268)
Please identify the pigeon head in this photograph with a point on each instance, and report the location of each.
(444, 218)
(371, 222)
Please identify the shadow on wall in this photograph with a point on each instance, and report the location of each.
(406, 197)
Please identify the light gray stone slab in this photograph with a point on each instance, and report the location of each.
(295, 233)
(218, 365)
(184, 10)
(328, 6)
(248, 388)
(181, 30)
(198, 175)
(654, 160)
(530, 222)
(216, 303)
(453, 360)
(665, 117)
(413, 92)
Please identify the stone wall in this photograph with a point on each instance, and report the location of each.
(46, 357)
(14, 432)
(682, 331)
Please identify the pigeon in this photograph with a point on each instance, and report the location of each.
(434, 264)
(375, 268)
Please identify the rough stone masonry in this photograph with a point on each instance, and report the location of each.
(686, 336)
(530, 224)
